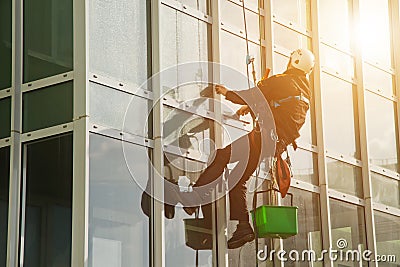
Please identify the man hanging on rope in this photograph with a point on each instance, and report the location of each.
(288, 97)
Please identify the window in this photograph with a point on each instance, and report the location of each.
(5, 43)
(47, 107)
(48, 38)
(304, 165)
(347, 223)
(118, 228)
(378, 80)
(382, 132)
(297, 11)
(387, 236)
(47, 184)
(4, 189)
(119, 110)
(385, 190)
(335, 22)
(5, 117)
(339, 116)
(344, 177)
(118, 40)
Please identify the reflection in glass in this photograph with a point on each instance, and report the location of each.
(290, 39)
(5, 43)
(376, 79)
(304, 165)
(48, 38)
(374, 22)
(119, 110)
(339, 115)
(5, 117)
(335, 22)
(344, 177)
(382, 133)
(118, 40)
(187, 131)
(347, 222)
(337, 62)
(385, 190)
(183, 39)
(47, 107)
(4, 187)
(48, 207)
(293, 10)
(118, 228)
(309, 223)
(183, 230)
(387, 236)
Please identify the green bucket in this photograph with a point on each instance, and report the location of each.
(274, 221)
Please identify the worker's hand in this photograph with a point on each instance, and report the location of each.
(221, 90)
(243, 110)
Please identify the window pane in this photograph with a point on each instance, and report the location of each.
(309, 223)
(5, 117)
(293, 10)
(48, 215)
(230, 43)
(387, 236)
(290, 39)
(187, 131)
(335, 22)
(118, 39)
(178, 233)
(385, 190)
(4, 188)
(339, 117)
(344, 177)
(119, 110)
(47, 107)
(304, 165)
(5, 43)
(337, 62)
(48, 38)
(374, 22)
(377, 79)
(184, 39)
(118, 228)
(202, 5)
(232, 15)
(382, 133)
(347, 223)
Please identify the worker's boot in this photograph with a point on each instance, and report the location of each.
(243, 234)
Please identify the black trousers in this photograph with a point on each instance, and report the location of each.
(246, 151)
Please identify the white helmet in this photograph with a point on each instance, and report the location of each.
(302, 59)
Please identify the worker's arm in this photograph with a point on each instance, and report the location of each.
(234, 96)
(243, 110)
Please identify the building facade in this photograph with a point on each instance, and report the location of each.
(82, 134)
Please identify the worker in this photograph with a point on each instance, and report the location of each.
(288, 97)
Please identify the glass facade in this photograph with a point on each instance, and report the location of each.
(87, 138)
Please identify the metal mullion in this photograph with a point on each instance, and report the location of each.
(6, 142)
(385, 172)
(304, 186)
(379, 93)
(337, 48)
(157, 242)
(322, 166)
(292, 26)
(131, 89)
(394, 6)
(334, 194)
(219, 208)
(15, 149)
(387, 209)
(6, 93)
(388, 70)
(239, 33)
(250, 8)
(80, 179)
(187, 10)
(23, 206)
(345, 159)
(46, 132)
(337, 75)
(48, 81)
(363, 135)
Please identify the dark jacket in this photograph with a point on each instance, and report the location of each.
(290, 115)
